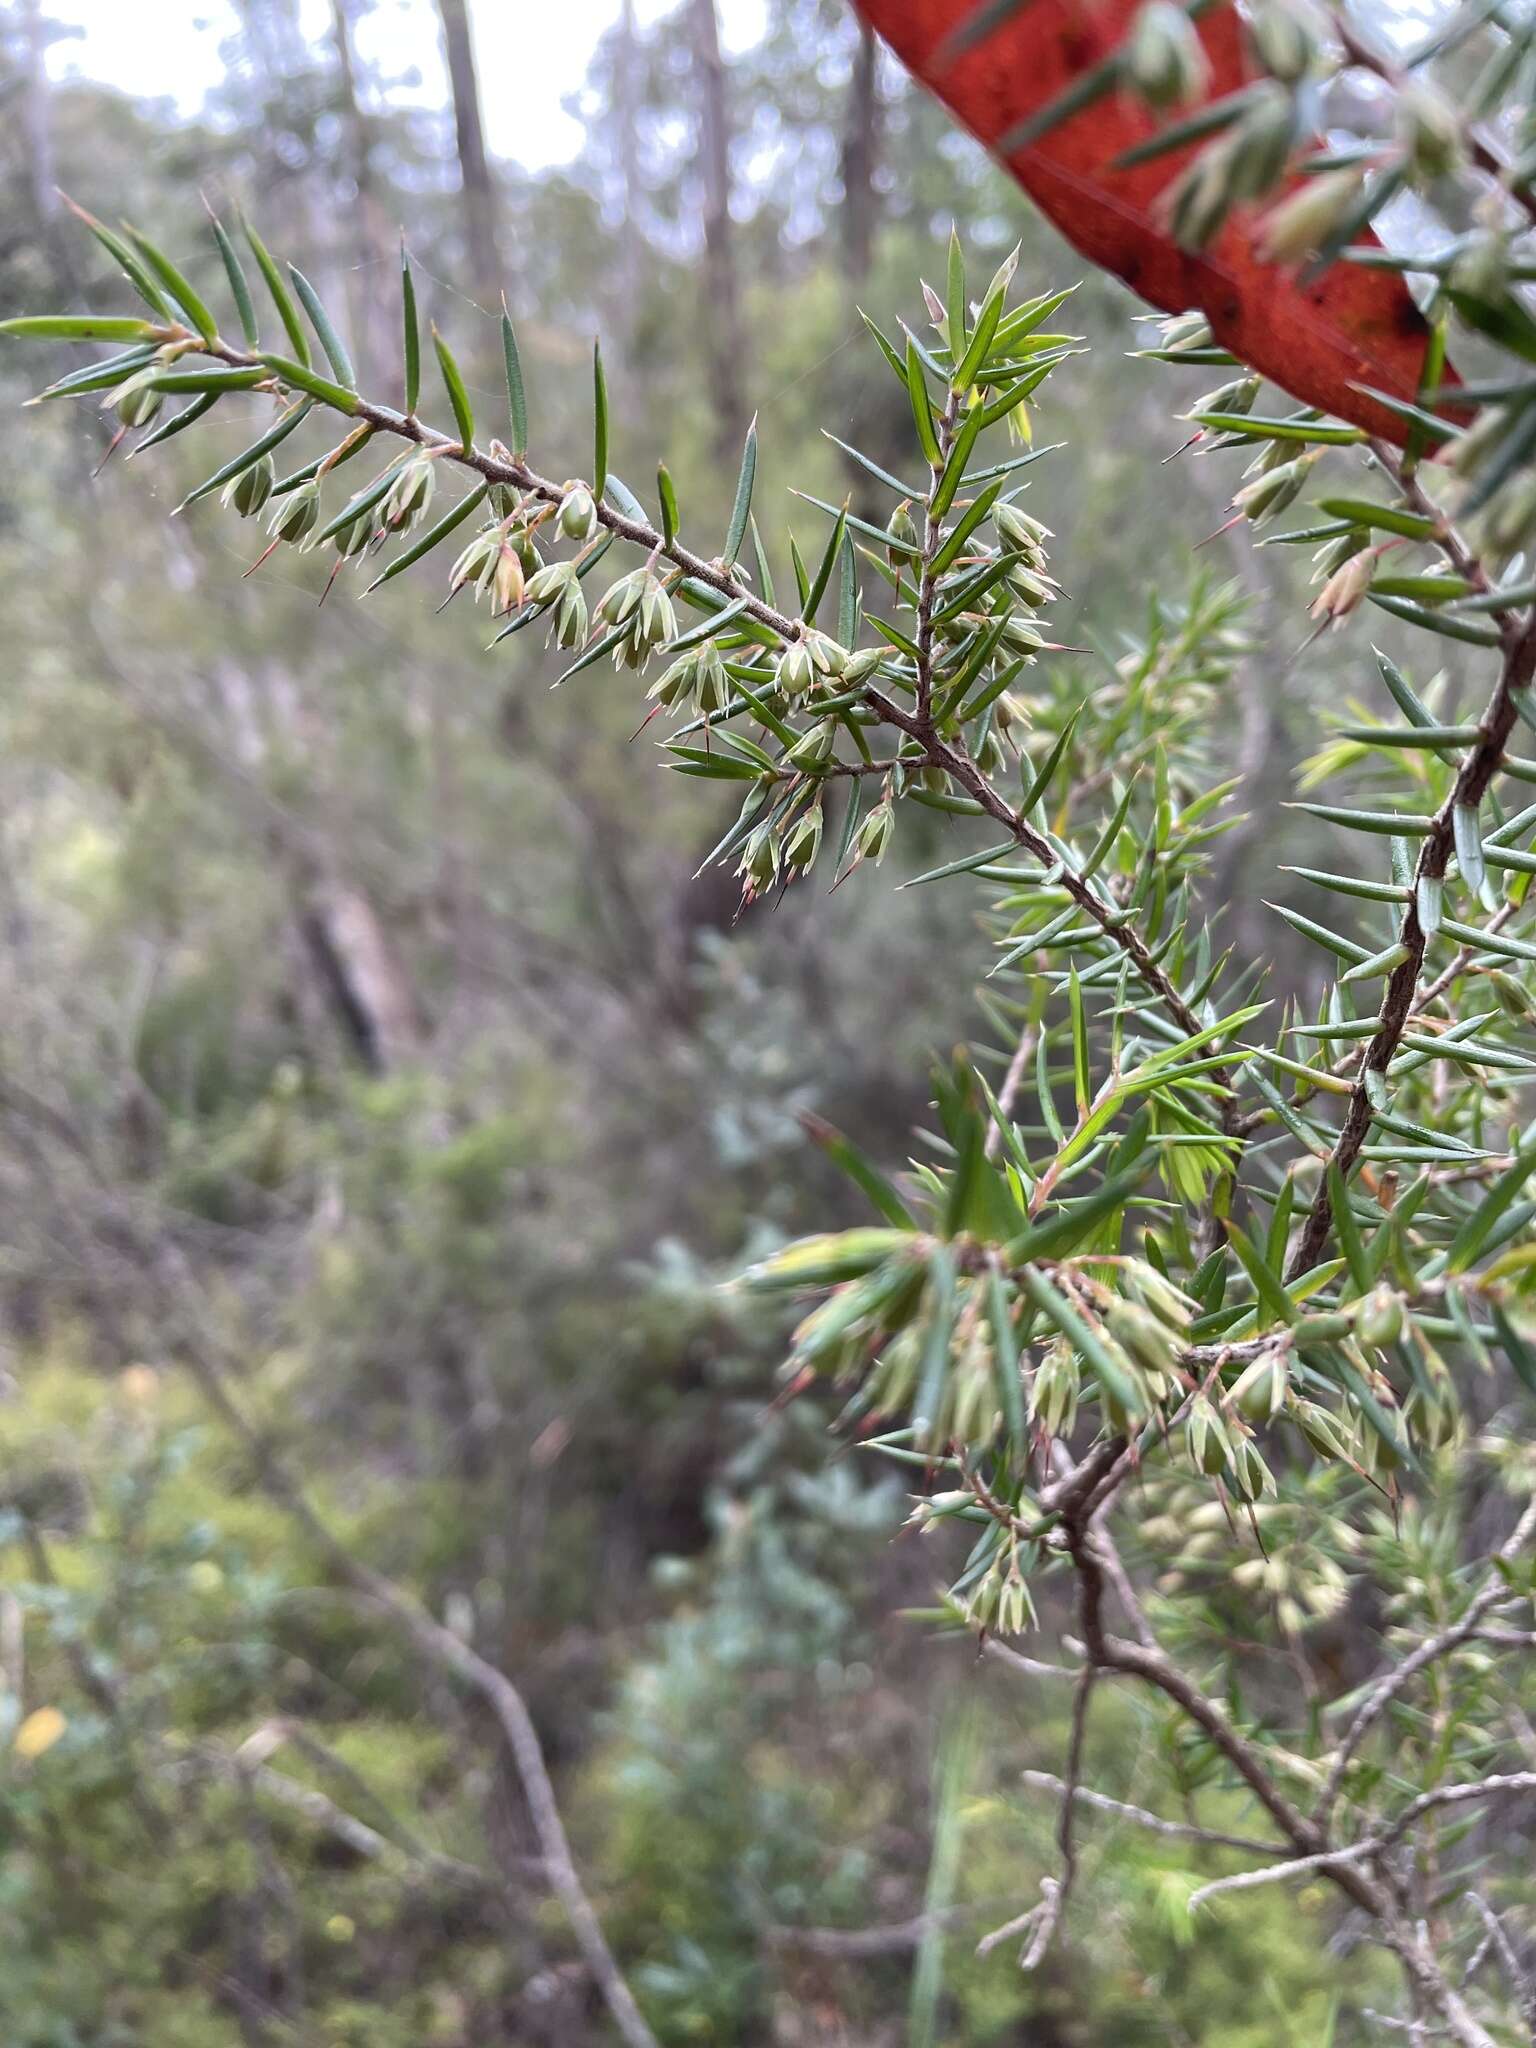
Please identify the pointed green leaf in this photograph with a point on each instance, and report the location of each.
(1375, 964)
(882, 476)
(1040, 780)
(1107, 838)
(1407, 824)
(125, 259)
(1251, 426)
(1449, 627)
(1088, 86)
(706, 629)
(1005, 1358)
(954, 294)
(187, 417)
(986, 330)
(959, 455)
(990, 691)
(410, 326)
(302, 378)
(517, 397)
(1351, 885)
(282, 298)
(741, 510)
(1333, 942)
(1080, 1071)
(1499, 943)
(1207, 120)
(922, 411)
(824, 568)
(667, 497)
(846, 1156)
(599, 424)
(985, 645)
(1347, 1230)
(875, 533)
(1479, 1226)
(962, 866)
(98, 376)
(177, 283)
(1469, 845)
(935, 1365)
(1432, 738)
(320, 320)
(216, 379)
(77, 327)
(239, 287)
(884, 346)
(848, 595)
(263, 445)
(458, 397)
(432, 536)
(1429, 900)
(1271, 1294)
(979, 23)
(360, 502)
(1387, 518)
(970, 519)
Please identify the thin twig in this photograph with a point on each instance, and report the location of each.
(1185, 1831)
(1026, 1667)
(1476, 772)
(1277, 1873)
(1520, 1980)
(859, 1943)
(1382, 1694)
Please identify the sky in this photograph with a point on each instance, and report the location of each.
(544, 50)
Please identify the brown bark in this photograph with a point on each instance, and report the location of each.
(480, 225)
(362, 973)
(722, 299)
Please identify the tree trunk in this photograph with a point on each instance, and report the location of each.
(860, 154)
(469, 135)
(37, 109)
(722, 308)
(369, 282)
(361, 972)
(627, 148)
(857, 222)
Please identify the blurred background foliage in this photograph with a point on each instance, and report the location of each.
(377, 983)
